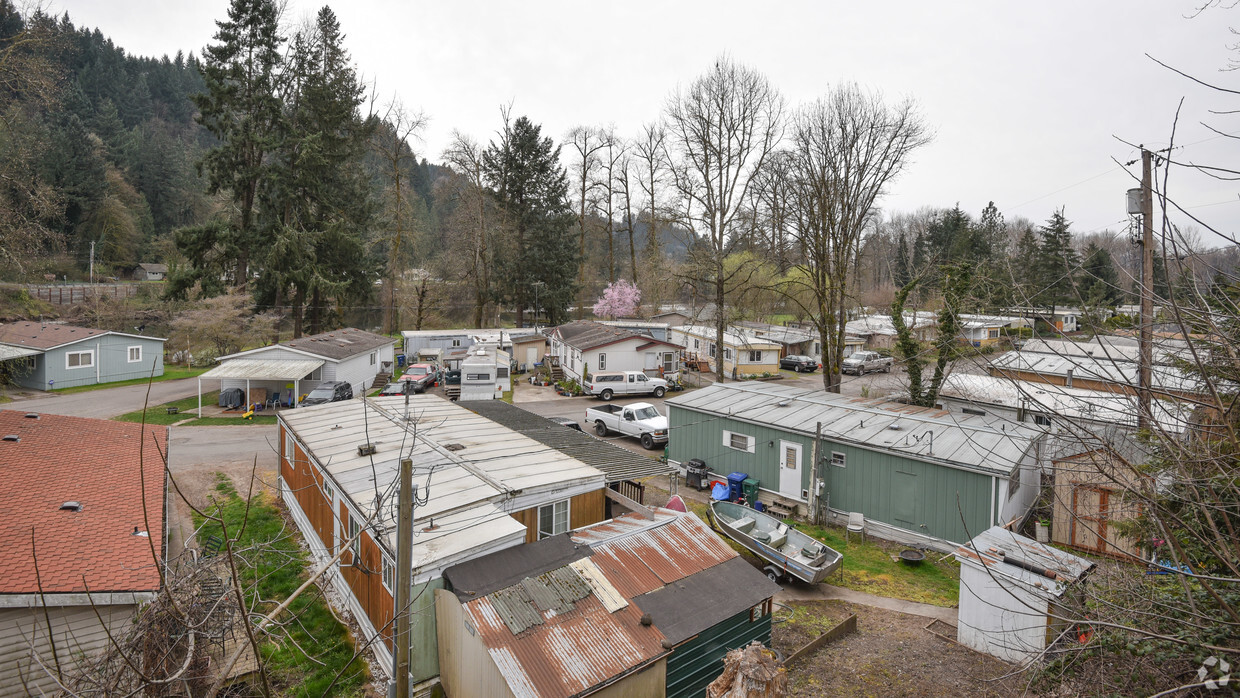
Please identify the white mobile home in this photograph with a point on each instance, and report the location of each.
(586, 346)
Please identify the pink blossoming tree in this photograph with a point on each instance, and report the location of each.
(619, 299)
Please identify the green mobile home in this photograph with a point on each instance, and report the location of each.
(54, 355)
(918, 475)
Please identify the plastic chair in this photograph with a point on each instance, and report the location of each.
(856, 524)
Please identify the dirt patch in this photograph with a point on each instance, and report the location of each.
(891, 654)
(197, 484)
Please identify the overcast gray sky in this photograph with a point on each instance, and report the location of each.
(1026, 99)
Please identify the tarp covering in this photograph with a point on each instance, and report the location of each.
(264, 369)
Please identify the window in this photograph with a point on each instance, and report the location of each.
(288, 447)
(456, 342)
(355, 539)
(697, 344)
(372, 358)
(552, 519)
(501, 372)
(727, 354)
(477, 376)
(712, 351)
(632, 378)
(79, 359)
(970, 410)
(1013, 482)
(602, 362)
(135, 354)
(817, 348)
(1041, 420)
(329, 493)
(759, 611)
(389, 574)
(739, 442)
(315, 375)
(838, 459)
(755, 357)
(669, 362)
(992, 333)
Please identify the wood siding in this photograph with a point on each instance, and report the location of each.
(78, 633)
(1089, 494)
(583, 510)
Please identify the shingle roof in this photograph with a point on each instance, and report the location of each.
(44, 335)
(93, 462)
(587, 334)
(339, 344)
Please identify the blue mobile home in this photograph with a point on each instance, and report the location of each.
(53, 355)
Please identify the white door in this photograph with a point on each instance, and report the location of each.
(652, 361)
(531, 357)
(790, 470)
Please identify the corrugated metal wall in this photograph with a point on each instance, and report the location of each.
(699, 661)
(914, 495)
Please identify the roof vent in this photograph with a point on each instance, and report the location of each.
(454, 447)
(71, 506)
(12, 437)
(895, 427)
(32, 415)
(366, 449)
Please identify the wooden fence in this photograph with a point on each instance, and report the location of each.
(72, 294)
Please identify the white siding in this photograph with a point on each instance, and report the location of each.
(358, 370)
(23, 633)
(1003, 620)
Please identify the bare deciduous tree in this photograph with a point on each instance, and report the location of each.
(847, 147)
(391, 143)
(586, 141)
(723, 128)
(465, 155)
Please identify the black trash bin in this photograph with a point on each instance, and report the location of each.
(696, 474)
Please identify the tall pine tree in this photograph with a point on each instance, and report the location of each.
(524, 173)
(1057, 262)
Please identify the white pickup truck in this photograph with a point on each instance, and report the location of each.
(863, 362)
(640, 419)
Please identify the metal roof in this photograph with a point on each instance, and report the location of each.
(1165, 378)
(473, 470)
(983, 443)
(733, 335)
(1060, 402)
(1107, 348)
(997, 547)
(619, 464)
(264, 369)
(484, 575)
(882, 324)
(10, 352)
(691, 605)
(336, 345)
(779, 333)
(563, 631)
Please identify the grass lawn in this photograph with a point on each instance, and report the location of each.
(187, 408)
(868, 566)
(171, 373)
(272, 572)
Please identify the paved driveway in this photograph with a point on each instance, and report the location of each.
(104, 403)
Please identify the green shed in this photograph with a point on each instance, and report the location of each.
(918, 475)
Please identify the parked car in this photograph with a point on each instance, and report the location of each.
(566, 421)
(863, 362)
(331, 391)
(606, 384)
(640, 419)
(422, 376)
(798, 363)
(399, 388)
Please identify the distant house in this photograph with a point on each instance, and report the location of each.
(680, 314)
(482, 488)
(658, 330)
(1011, 592)
(644, 605)
(879, 332)
(502, 338)
(983, 330)
(278, 374)
(918, 475)
(1061, 318)
(587, 346)
(150, 272)
(1093, 372)
(52, 355)
(744, 352)
(74, 496)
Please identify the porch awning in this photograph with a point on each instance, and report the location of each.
(11, 352)
(264, 369)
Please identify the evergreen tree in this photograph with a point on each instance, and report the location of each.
(1099, 279)
(1024, 272)
(991, 232)
(902, 272)
(241, 109)
(524, 173)
(1057, 262)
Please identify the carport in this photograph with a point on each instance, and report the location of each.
(283, 370)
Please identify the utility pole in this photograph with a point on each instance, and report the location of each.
(1146, 355)
(92, 262)
(404, 577)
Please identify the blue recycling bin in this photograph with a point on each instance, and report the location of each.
(735, 482)
(400, 359)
